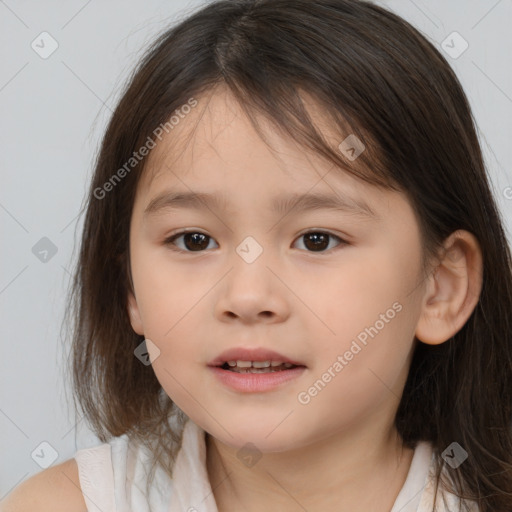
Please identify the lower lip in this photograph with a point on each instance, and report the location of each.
(256, 382)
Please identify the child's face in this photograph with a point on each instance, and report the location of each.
(309, 299)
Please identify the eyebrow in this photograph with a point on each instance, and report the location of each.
(282, 204)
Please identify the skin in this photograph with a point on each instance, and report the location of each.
(340, 451)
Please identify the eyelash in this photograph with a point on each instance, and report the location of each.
(170, 240)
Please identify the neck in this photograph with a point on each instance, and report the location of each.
(359, 470)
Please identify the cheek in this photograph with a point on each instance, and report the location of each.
(368, 313)
(350, 298)
(170, 303)
(166, 294)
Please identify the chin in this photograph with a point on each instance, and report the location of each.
(249, 436)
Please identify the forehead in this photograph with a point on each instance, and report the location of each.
(215, 148)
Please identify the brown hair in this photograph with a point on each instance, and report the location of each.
(378, 78)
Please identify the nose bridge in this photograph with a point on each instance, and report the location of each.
(251, 290)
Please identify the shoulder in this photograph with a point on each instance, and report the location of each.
(56, 489)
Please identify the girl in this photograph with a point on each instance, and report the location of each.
(294, 288)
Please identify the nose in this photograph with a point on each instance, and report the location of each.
(252, 293)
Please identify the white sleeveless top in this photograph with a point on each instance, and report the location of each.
(113, 479)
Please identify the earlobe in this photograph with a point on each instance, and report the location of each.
(134, 313)
(452, 290)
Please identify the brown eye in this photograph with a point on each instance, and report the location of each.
(193, 241)
(318, 241)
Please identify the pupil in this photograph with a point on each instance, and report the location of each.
(196, 238)
(320, 241)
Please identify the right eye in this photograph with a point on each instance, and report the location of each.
(193, 241)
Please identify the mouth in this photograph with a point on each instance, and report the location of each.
(254, 370)
(253, 360)
(257, 366)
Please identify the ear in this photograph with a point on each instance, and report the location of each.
(453, 289)
(134, 313)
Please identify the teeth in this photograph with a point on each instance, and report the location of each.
(259, 365)
(256, 364)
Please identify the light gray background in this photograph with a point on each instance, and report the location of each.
(53, 113)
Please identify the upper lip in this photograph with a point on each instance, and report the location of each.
(251, 354)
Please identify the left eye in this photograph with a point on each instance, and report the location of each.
(195, 241)
(318, 241)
